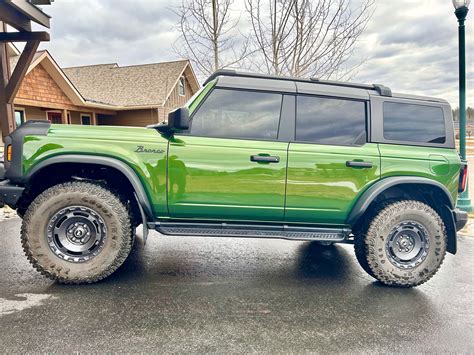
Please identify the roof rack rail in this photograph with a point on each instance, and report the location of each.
(381, 89)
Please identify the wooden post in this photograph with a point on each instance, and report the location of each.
(7, 112)
(64, 117)
(94, 118)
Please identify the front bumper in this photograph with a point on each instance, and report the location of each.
(9, 193)
(460, 219)
(2, 171)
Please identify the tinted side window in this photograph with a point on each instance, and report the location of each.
(238, 114)
(330, 121)
(413, 123)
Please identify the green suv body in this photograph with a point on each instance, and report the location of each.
(249, 156)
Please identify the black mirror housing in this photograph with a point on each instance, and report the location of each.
(178, 120)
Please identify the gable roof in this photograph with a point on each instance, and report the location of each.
(50, 65)
(14, 60)
(112, 87)
(130, 86)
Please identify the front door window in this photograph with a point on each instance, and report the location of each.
(238, 114)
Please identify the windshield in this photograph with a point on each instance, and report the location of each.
(196, 99)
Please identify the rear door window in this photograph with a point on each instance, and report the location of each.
(330, 121)
(413, 123)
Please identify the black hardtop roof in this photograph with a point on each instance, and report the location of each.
(381, 89)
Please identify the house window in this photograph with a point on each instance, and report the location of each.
(19, 117)
(54, 117)
(181, 88)
(86, 120)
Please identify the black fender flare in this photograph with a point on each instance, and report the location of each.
(379, 187)
(124, 168)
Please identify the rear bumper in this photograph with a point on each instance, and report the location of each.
(9, 193)
(460, 219)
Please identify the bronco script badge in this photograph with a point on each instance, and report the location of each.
(142, 149)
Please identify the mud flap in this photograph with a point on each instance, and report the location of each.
(144, 220)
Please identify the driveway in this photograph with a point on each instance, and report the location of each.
(183, 294)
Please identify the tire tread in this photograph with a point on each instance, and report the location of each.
(99, 191)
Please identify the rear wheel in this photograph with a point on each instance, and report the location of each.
(77, 232)
(403, 245)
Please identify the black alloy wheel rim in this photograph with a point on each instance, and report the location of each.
(408, 244)
(76, 234)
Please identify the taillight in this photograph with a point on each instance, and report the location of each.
(9, 153)
(463, 177)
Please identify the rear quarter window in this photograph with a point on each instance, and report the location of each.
(413, 123)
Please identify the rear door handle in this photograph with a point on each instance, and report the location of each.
(264, 159)
(359, 164)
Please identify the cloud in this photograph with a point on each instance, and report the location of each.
(409, 46)
(128, 32)
(412, 47)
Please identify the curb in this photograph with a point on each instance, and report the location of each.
(468, 230)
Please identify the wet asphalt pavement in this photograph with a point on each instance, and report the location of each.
(183, 294)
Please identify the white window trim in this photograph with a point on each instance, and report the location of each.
(24, 112)
(86, 115)
(182, 81)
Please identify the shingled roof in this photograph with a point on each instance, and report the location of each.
(137, 85)
(14, 59)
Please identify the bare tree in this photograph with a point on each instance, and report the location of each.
(209, 36)
(307, 38)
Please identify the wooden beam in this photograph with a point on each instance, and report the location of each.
(41, 2)
(24, 36)
(31, 11)
(94, 118)
(21, 68)
(14, 17)
(7, 115)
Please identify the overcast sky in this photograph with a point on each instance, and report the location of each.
(410, 45)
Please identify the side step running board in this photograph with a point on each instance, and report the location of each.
(252, 231)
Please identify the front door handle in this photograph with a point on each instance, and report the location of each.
(264, 159)
(359, 164)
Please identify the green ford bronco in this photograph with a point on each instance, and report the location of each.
(249, 156)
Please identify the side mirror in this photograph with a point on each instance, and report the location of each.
(178, 120)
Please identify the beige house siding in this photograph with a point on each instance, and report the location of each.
(175, 100)
(140, 118)
(75, 117)
(39, 86)
(34, 113)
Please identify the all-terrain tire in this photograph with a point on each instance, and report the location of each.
(360, 249)
(116, 244)
(374, 247)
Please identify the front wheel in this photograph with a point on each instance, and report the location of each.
(404, 244)
(77, 232)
